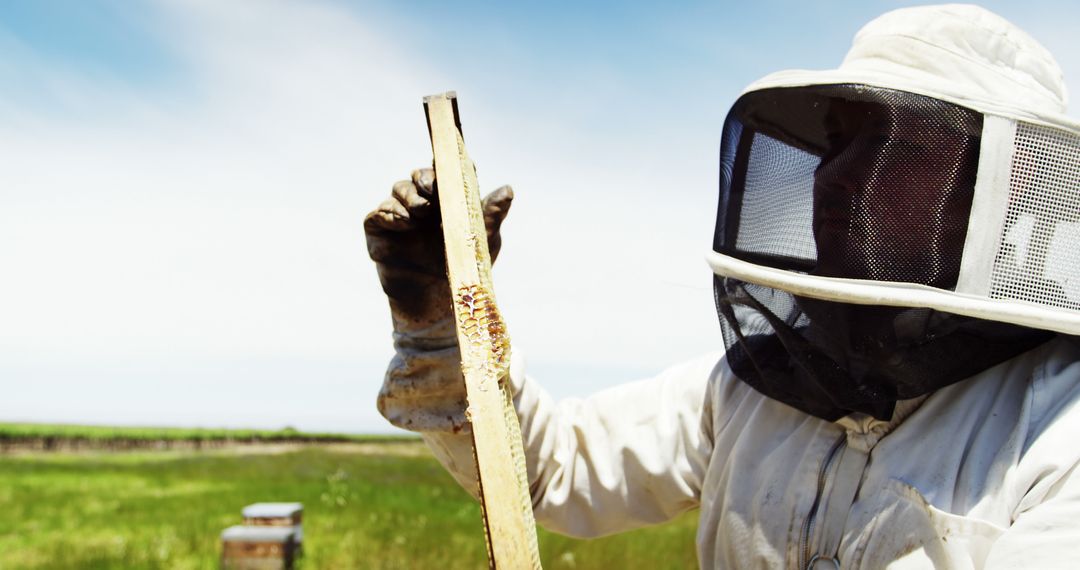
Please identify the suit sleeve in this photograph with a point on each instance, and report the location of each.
(1045, 532)
(1046, 535)
(623, 458)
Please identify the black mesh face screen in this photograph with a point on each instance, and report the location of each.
(830, 359)
(849, 181)
(861, 183)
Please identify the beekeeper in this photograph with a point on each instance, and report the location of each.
(897, 273)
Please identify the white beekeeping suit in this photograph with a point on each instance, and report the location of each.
(897, 278)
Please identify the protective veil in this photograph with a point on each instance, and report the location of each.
(900, 223)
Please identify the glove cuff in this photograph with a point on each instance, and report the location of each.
(423, 389)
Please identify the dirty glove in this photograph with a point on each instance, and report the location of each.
(423, 389)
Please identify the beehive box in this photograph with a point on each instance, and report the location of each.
(273, 514)
(258, 547)
(277, 515)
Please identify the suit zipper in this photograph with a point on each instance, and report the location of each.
(808, 525)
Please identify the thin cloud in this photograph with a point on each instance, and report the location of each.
(170, 249)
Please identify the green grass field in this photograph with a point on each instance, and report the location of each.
(376, 505)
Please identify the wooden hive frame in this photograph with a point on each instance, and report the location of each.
(510, 529)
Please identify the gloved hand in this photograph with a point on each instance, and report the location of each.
(423, 389)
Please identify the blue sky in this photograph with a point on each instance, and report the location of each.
(184, 182)
(112, 36)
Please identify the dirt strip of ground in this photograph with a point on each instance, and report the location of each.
(411, 448)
